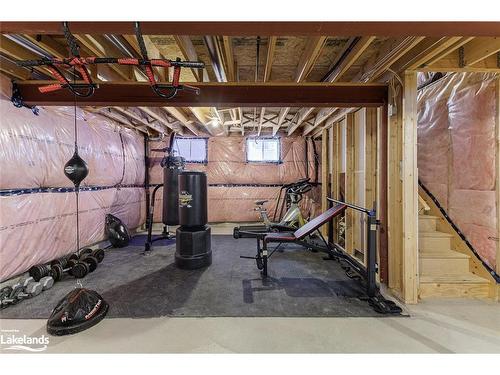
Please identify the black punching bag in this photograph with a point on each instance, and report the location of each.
(193, 199)
(172, 166)
(193, 237)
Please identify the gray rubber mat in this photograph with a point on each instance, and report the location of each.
(301, 284)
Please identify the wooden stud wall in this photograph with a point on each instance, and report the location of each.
(409, 175)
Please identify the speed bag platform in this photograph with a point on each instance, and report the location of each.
(193, 247)
(79, 310)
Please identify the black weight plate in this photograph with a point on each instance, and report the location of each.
(92, 262)
(72, 262)
(57, 272)
(80, 270)
(85, 251)
(73, 256)
(98, 254)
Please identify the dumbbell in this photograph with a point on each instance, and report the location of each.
(57, 268)
(97, 253)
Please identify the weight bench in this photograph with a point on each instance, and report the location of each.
(298, 237)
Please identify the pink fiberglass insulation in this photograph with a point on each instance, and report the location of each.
(227, 166)
(37, 227)
(456, 154)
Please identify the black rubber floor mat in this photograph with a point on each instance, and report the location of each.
(301, 284)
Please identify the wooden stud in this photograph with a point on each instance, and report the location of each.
(371, 161)
(409, 175)
(434, 50)
(349, 183)
(394, 192)
(324, 175)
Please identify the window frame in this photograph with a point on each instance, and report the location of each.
(205, 161)
(278, 139)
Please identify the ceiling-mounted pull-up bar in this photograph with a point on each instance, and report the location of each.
(87, 88)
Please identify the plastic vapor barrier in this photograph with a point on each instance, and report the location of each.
(227, 168)
(456, 154)
(37, 204)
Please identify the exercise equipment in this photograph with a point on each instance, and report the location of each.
(290, 221)
(87, 88)
(79, 310)
(193, 237)
(354, 268)
(75, 267)
(116, 231)
(172, 165)
(25, 288)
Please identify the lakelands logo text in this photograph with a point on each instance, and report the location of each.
(12, 340)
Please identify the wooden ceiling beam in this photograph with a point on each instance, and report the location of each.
(363, 28)
(98, 47)
(322, 115)
(309, 56)
(13, 70)
(49, 44)
(229, 57)
(433, 50)
(158, 118)
(214, 94)
(479, 49)
(301, 116)
(17, 52)
(130, 113)
(182, 118)
(353, 55)
(449, 50)
(271, 47)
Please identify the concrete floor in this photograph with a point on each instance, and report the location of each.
(435, 326)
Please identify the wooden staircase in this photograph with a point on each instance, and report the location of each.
(444, 272)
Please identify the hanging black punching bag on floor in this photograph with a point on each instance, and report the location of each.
(172, 166)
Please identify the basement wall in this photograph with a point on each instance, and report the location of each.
(37, 201)
(234, 183)
(456, 154)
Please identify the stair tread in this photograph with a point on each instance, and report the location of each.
(466, 278)
(435, 234)
(428, 217)
(442, 254)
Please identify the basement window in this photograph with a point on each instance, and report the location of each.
(264, 150)
(194, 150)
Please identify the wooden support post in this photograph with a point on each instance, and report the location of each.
(324, 174)
(382, 195)
(409, 175)
(394, 191)
(370, 158)
(349, 183)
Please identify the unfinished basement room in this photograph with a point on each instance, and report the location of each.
(249, 187)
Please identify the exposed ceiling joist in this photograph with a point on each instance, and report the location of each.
(17, 52)
(157, 117)
(433, 50)
(271, 47)
(130, 113)
(322, 115)
(229, 58)
(309, 56)
(182, 118)
(10, 68)
(479, 49)
(189, 53)
(300, 117)
(352, 56)
(449, 50)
